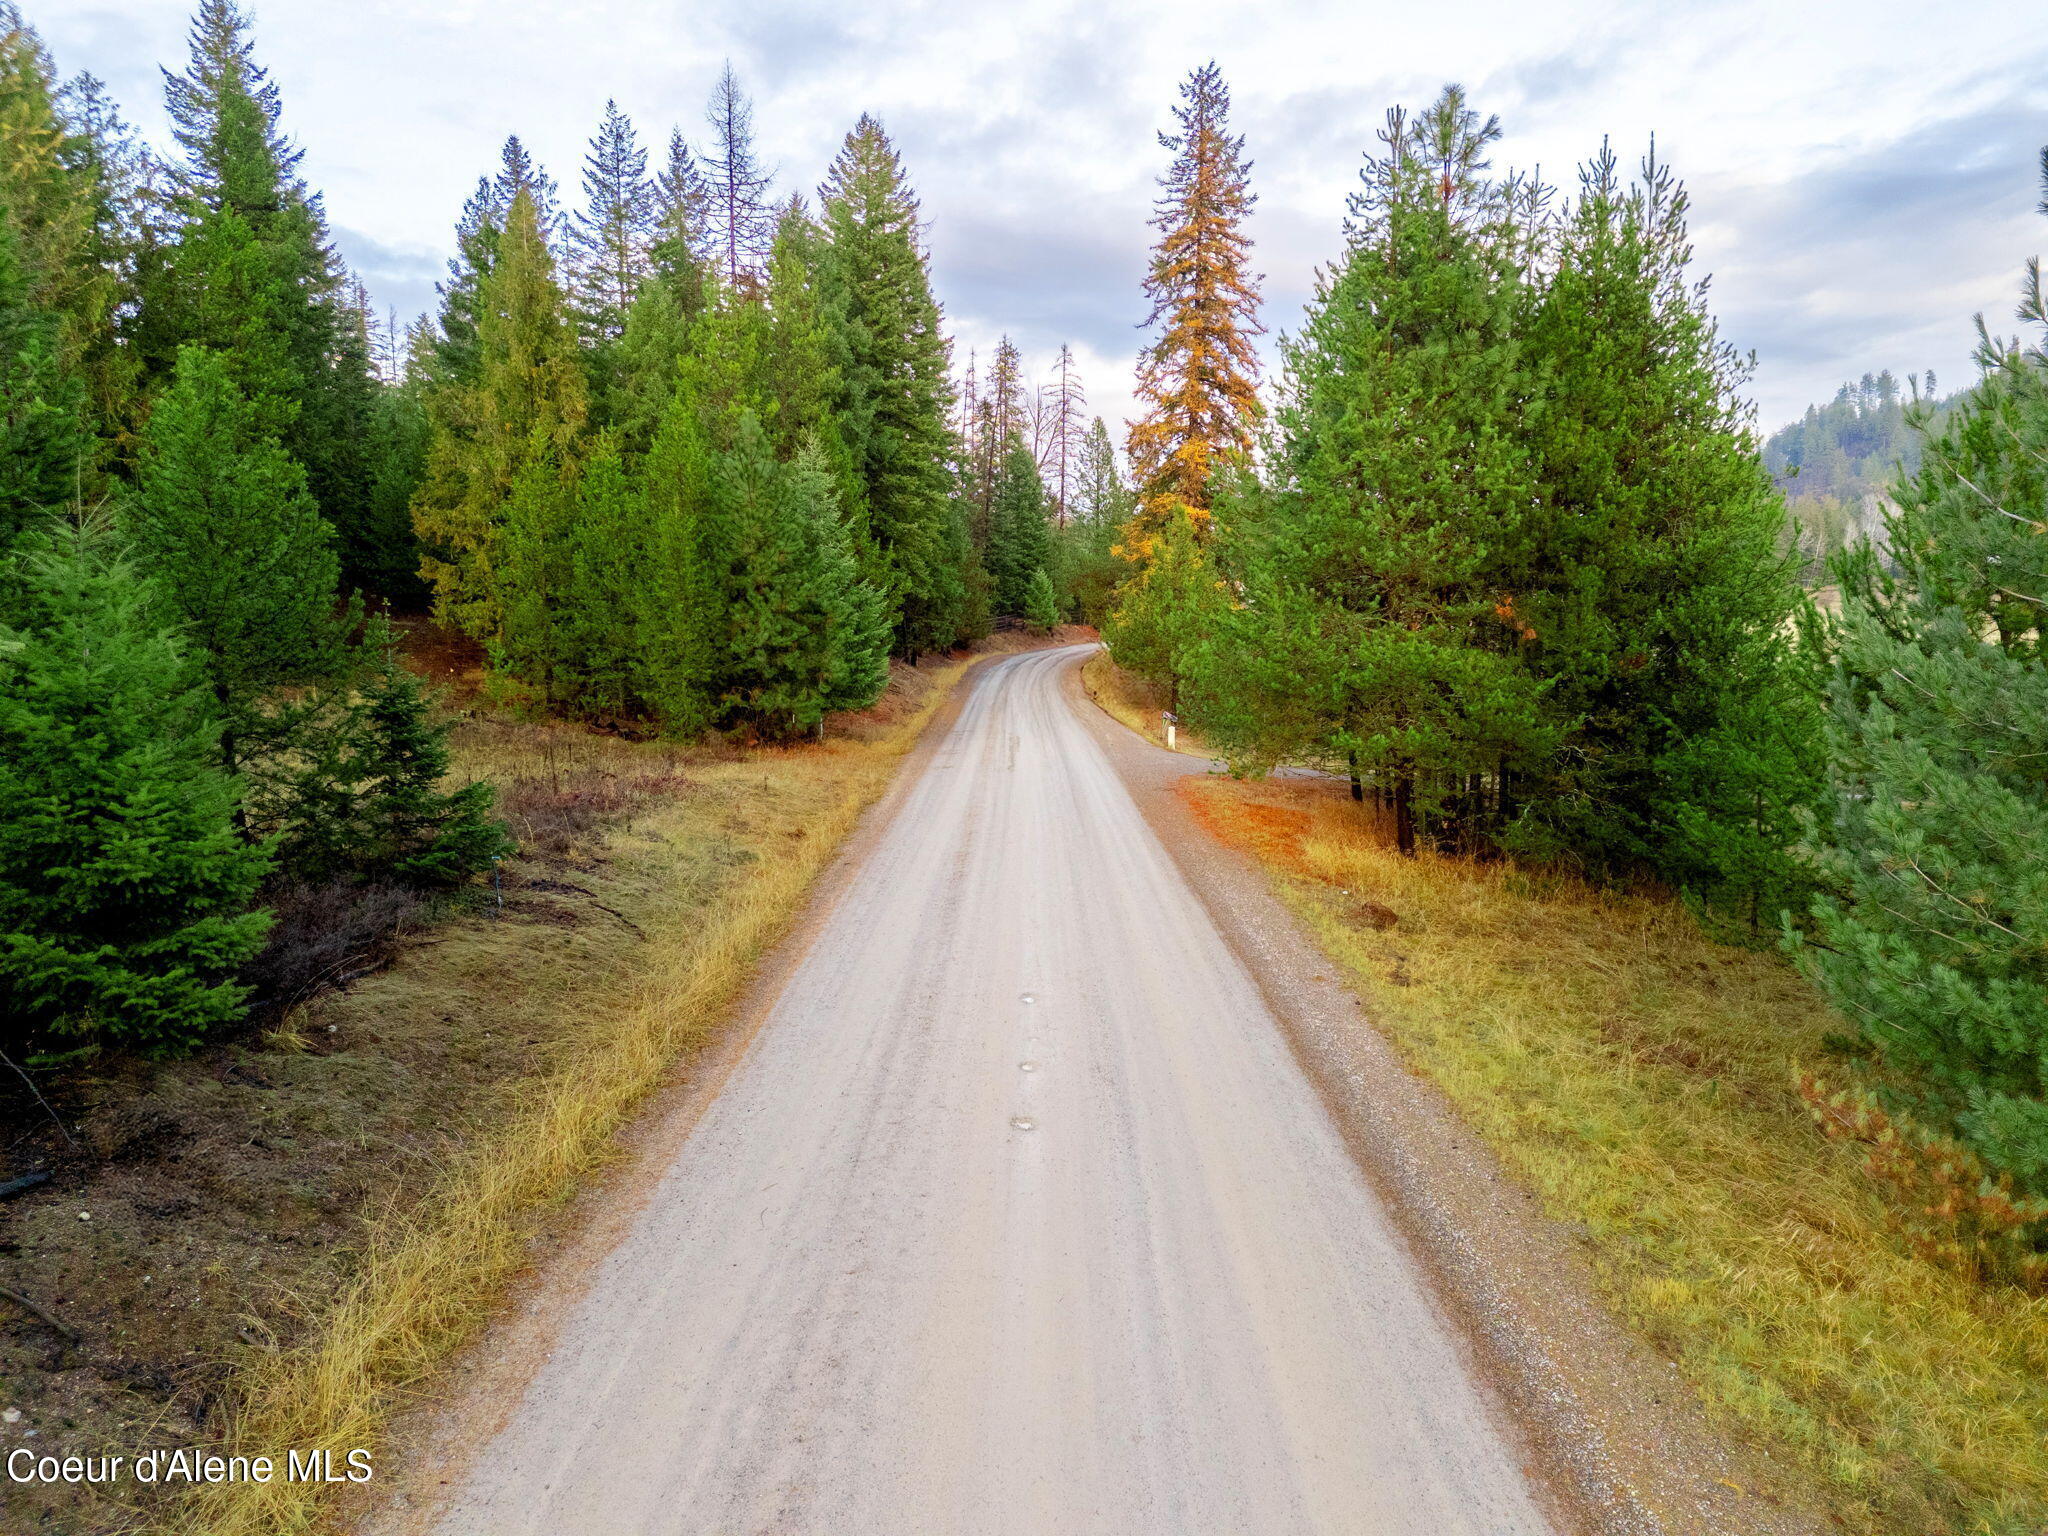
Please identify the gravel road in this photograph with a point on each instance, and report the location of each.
(1017, 1218)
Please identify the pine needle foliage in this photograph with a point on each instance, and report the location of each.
(125, 890)
(1198, 378)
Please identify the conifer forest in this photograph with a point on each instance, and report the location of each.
(1479, 573)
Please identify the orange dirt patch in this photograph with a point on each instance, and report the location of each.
(1254, 817)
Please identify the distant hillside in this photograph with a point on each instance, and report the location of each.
(1837, 463)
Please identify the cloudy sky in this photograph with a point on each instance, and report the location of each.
(1864, 175)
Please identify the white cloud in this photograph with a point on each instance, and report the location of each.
(1862, 174)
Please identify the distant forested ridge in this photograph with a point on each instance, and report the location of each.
(1836, 464)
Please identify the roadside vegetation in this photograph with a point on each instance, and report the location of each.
(1502, 550)
(1644, 1078)
(290, 1229)
(1131, 701)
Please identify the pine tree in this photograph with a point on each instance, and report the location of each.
(615, 230)
(1652, 587)
(253, 274)
(743, 223)
(454, 358)
(682, 253)
(519, 172)
(116, 170)
(42, 441)
(1197, 381)
(528, 389)
(803, 636)
(897, 393)
(388, 555)
(608, 575)
(1937, 946)
(124, 890)
(1166, 610)
(222, 519)
(804, 368)
(1367, 571)
(1041, 607)
(1087, 566)
(1020, 538)
(676, 615)
(64, 184)
(1067, 403)
(532, 572)
(366, 802)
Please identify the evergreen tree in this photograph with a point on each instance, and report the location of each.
(366, 801)
(676, 616)
(681, 253)
(222, 518)
(1020, 538)
(896, 397)
(1652, 591)
(1041, 608)
(1368, 572)
(804, 368)
(124, 891)
(527, 394)
(1937, 946)
(454, 359)
(387, 555)
(42, 441)
(613, 235)
(64, 184)
(804, 636)
(1166, 609)
(253, 275)
(1197, 380)
(743, 223)
(532, 573)
(608, 575)
(519, 172)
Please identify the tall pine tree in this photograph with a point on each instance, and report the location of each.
(252, 274)
(742, 221)
(1367, 569)
(527, 396)
(1197, 379)
(896, 395)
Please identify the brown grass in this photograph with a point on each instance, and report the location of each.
(432, 1272)
(1643, 1080)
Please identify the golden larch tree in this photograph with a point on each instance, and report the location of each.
(1198, 379)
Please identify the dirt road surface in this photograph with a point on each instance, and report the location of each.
(1018, 1218)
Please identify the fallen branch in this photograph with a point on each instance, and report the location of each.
(13, 1187)
(51, 1318)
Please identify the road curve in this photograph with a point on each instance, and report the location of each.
(1018, 1219)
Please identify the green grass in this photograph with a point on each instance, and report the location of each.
(1639, 1077)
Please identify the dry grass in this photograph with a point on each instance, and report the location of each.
(431, 1273)
(1131, 701)
(1641, 1078)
